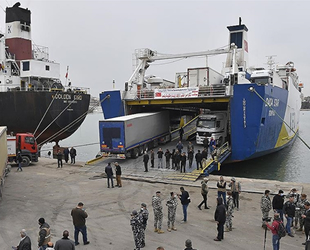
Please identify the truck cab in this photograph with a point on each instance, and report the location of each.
(26, 144)
(212, 125)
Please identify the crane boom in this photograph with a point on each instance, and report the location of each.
(152, 55)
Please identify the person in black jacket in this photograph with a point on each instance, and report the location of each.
(185, 200)
(109, 172)
(277, 203)
(220, 218)
(19, 161)
(25, 242)
(198, 158)
(306, 217)
(289, 211)
(146, 161)
(118, 173)
(168, 156)
(173, 155)
(190, 156)
(183, 162)
(177, 160)
(59, 158)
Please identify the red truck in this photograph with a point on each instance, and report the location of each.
(26, 144)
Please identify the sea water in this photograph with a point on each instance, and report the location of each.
(290, 164)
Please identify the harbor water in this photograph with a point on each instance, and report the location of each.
(289, 164)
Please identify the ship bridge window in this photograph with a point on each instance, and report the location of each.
(261, 80)
(206, 124)
(26, 66)
(236, 38)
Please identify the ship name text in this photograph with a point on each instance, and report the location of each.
(60, 96)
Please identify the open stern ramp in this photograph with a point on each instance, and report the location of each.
(208, 166)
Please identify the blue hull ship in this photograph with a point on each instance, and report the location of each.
(249, 111)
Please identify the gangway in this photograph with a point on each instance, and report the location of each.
(208, 166)
(189, 129)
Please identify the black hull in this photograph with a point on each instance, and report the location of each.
(22, 111)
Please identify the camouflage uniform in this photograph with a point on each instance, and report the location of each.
(158, 211)
(172, 204)
(144, 216)
(229, 213)
(299, 213)
(265, 206)
(137, 229)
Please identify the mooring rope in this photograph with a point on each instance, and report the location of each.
(252, 89)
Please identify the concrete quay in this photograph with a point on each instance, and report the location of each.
(43, 190)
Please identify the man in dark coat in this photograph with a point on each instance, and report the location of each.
(25, 242)
(65, 243)
(220, 218)
(66, 154)
(44, 234)
(19, 161)
(152, 158)
(168, 156)
(190, 156)
(185, 200)
(198, 158)
(109, 172)
(79, 221)
(118, 173)
(146, 161)
(277, 203)
(306, 217)
(72, 155)
(181, 133)
(183, 162)
(59, 158)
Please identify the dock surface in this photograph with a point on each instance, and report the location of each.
(43, 190)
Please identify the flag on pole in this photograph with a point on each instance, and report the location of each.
(67, 72)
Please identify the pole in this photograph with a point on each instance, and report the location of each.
(265, 238)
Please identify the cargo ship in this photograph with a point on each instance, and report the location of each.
(32, 97)
(256, 109)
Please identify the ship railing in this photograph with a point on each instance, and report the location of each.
(204, 91)
(75, 90)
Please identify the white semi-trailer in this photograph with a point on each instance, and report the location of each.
(130, 135)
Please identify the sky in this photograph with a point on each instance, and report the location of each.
(97, 39)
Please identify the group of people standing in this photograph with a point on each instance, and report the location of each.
(296, 211)
(177, 158)
(138, 221)
(79, 216)
(65, 155)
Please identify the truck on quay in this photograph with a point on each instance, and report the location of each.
(131, 135)
(212, 124)
(4, 167)
(26, 144)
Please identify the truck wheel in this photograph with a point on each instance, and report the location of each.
(134, 153)
(26, 161)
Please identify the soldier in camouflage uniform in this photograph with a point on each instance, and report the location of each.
(299, 212)
(229, 212)
(172, 204)
(144, 216)
(137, 229)
(265, 206)
(158, 212)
